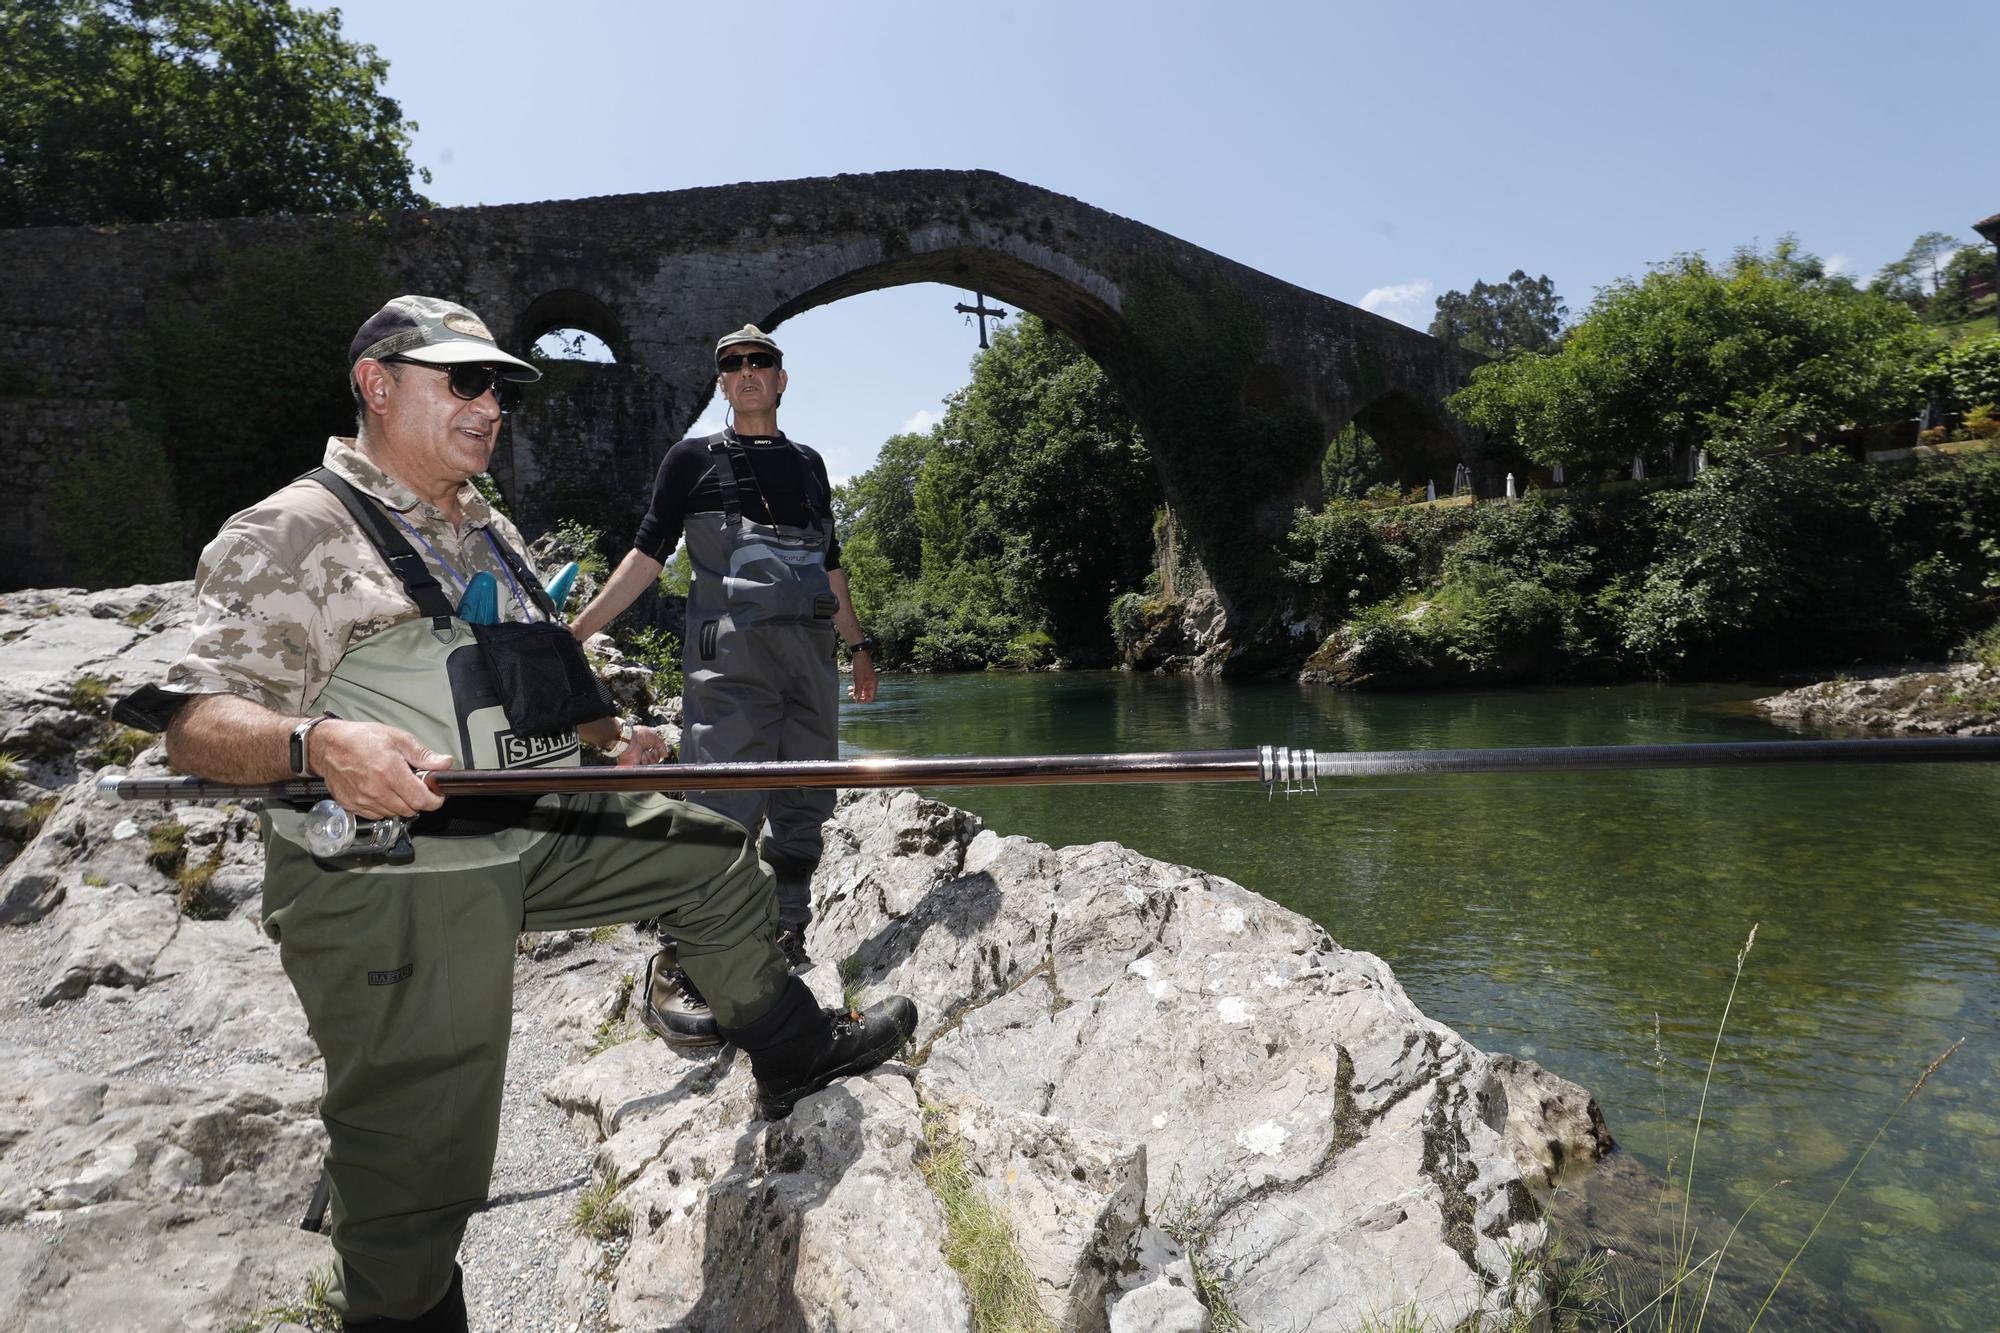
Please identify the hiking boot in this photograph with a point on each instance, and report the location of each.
(674, 1008)
(792, 944)
(798, 1048)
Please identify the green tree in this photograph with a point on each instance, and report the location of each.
(1919, 276)
(1953, 300)
(154, 110)
(1969, 373)
(1502, 319)
(1048, 482)
(881, 503)
(1765, 348)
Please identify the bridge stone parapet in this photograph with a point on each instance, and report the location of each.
(218, 345)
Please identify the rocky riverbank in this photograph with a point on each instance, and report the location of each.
(1955, 701)
(1174, 1093)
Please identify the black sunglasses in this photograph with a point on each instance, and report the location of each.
(729, 365)
(469, 380)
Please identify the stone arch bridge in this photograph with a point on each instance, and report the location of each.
(1238, 380)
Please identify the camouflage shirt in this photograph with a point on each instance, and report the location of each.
(291, 584)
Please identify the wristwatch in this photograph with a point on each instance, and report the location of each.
(299, 734)
(624, 741)
(867, 645)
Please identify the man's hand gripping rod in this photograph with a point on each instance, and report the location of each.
(1276, 767)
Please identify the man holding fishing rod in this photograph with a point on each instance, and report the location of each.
(328, 644)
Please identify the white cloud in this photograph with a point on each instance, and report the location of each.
(921, 423)
(1839, 263)
(1404, 302)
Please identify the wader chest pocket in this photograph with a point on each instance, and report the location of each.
(708, 640)
(544, 682)
(824, 605)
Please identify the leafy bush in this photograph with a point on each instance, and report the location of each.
(583, 544)
(1030, 650)
(1936, 521)
(1339, 559)
(1983, 647)
(1969, 373)
(660, 653)
(1764, 559)
(1128, 621)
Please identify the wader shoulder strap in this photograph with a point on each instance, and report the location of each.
(523, 575)
(402, 559)
(725, 480)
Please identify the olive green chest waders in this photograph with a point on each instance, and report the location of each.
(406, 971)
(757, 674)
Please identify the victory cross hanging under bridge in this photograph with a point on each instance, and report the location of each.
(1238, 379)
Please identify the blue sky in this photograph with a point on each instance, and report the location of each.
(1379, 154)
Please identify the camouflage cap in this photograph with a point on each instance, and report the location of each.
(436, 333)
(750, 334)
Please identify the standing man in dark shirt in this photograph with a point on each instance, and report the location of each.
(757, 670)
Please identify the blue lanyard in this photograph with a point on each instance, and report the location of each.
(527, 612)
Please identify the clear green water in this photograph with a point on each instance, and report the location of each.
(1556, 916)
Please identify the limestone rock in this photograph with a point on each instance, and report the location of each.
(1550, 1126)
(1958, 701)
(820, 1221)
(112, 937)
(1181, 636)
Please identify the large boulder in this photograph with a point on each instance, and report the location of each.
(1147, 1071)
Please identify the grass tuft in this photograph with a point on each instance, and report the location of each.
(38, 813)
(1693, 1276)
(979, 1238)
(611, 1032)
(312, 1313)
(166, 847)
(193, 891)
(1181, 1216)
(88, 694)
(124, 745)
(599, 1215)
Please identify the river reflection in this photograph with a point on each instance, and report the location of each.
(1592, 921)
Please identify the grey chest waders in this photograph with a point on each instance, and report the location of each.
(758, 678)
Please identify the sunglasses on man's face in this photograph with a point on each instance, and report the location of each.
(729, 365)
(469, 381)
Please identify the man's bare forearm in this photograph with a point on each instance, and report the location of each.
(635, 573)
(227, 738)
(844, 618)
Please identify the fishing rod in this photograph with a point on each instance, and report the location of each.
(333, 831)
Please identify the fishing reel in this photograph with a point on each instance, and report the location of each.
(334, 834)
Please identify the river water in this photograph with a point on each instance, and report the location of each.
(1592, 922)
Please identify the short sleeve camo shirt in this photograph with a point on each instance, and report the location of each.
(291, 584)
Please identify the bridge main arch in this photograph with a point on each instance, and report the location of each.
(1239, 380)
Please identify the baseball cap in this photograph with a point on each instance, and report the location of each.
(436, 333)
(751, 334)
